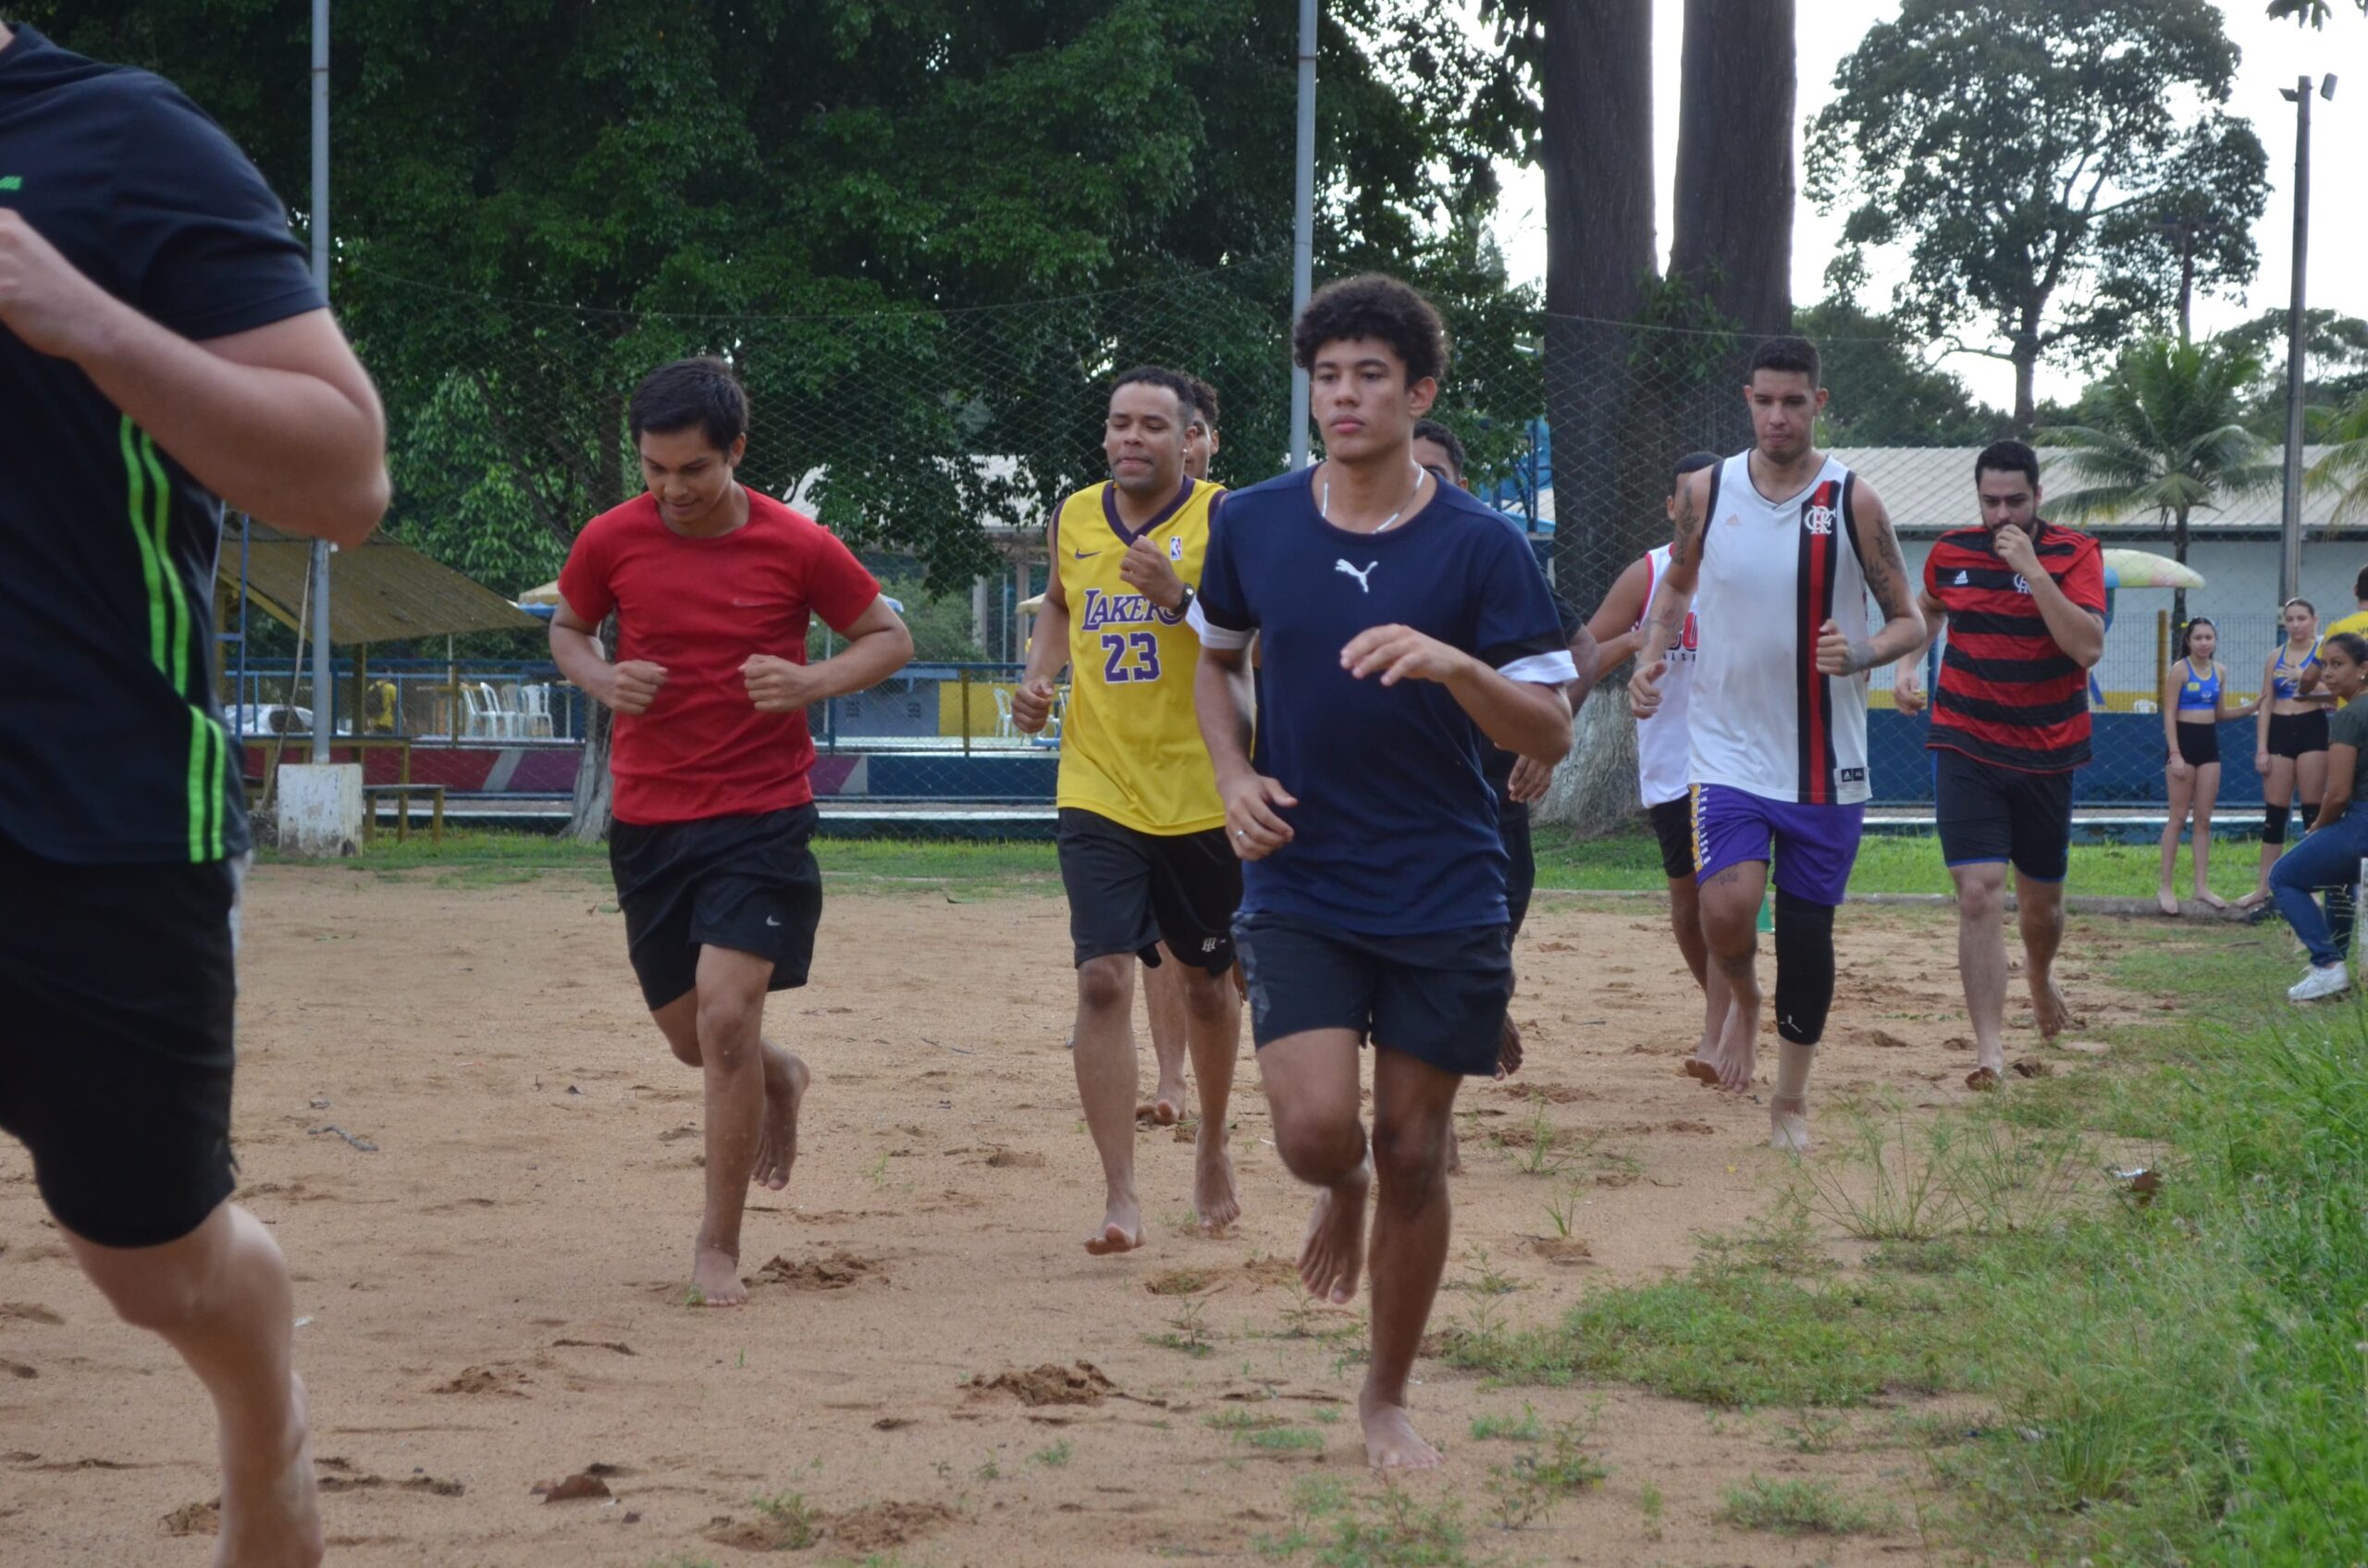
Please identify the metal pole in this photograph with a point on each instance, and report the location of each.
(324, 690)
(2289, 561)
(1303, 221)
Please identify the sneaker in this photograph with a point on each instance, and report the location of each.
(2329, 981)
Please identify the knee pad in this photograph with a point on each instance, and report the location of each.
(2272, 824)
(1804, 968)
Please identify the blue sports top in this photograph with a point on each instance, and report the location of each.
(1395, 826)
(2200, 694)
(2289, 688)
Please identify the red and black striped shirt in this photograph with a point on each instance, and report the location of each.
(2007, 694)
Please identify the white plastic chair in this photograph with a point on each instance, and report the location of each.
(1005, 728)
(482, 718)
(534, 711)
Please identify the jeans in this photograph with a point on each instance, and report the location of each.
(2328, 859)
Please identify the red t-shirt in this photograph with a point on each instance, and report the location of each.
(699, 607)
(2008, 695)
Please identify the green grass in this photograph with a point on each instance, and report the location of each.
(1625, 863)
(1522, 1428)
(1799, 1508)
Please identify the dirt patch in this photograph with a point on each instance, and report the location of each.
(1049, 1384)
(486, 1380)
(839, 1271)
(1563, 1250)
(883, 1527)
(1178, 1282)
(26, 1312)
(195, 1519)
(1016, 1159)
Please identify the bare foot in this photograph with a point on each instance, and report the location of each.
(1390, 1440)
(716, 1277)
(1702, 1068)
(2050, 1012)
(2210, 899)
(1982, 1080)
(2167, 901)
(785, 1081)
(1737, 1065)
(1163, 1109)
(1509, 1049)
(1214, 1202)
(1788, 1123)
(1122, 1228)
(1334, 1248)
(2254, 900)
(271, 1514)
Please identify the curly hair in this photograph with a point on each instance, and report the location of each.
(1376, 307)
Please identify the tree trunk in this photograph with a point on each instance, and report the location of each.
(1735, 186)
(2179, 553)
(588, 821)
(1595, 791)
(1597, 146)
(2026, 404)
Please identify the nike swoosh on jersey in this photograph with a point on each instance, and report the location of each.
(1084, 554)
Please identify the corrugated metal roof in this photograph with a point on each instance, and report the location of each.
(382, 592)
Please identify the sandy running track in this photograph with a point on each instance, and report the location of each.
(494, 1297)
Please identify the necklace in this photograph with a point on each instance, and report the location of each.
(1323, 503)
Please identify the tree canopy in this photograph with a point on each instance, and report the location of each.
(2047, 168)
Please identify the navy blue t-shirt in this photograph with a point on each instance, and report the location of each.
(1395, 826)
(112, 746)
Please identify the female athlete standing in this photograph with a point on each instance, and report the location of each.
(2290, 744)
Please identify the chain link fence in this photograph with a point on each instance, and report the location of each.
(936, 442)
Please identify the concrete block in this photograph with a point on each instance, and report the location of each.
(320, 808)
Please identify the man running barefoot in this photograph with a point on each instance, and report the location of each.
(1165, 1005)
(1778, 549)
(163, 351)
(1406, 629)
(1143, 855)
(2024, 601)
(1663, 750)
(713, 586)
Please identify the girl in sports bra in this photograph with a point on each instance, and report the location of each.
(2195, 701)
(2290, 737)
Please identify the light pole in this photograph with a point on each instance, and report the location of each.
(323, 688)
(2289, 565)
(1303, 221)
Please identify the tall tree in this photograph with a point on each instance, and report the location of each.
(2309, 13)
(2026, 154)
(1733, 243)
(2164, 435)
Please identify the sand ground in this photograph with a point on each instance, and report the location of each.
(493, 1296)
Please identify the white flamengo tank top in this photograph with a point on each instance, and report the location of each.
(1762, 717)
(1663, 748)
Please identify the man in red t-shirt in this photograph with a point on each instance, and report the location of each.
(2024, 603)
(713, 586)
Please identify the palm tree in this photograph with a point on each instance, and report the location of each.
(2343, 468)
(2165, 436)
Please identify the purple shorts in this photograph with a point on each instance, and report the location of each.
(1815, 845)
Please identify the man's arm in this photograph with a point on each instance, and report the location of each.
(629, 687)
(1673, 597)
(1616, 625)
(878, 645)
(1907, 681)
(281, 421)
(1886, 573)
(1225, 700)
(1525, 717)
(1048, 647)
(2079, 631)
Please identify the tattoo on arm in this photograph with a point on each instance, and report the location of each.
(1666, 614)
(1887, 580)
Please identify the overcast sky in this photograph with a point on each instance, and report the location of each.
(2275, 54)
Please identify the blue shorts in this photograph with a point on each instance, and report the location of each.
(1815, 845)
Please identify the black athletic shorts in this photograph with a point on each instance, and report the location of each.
(117, 993)
(2298, 735)
(1440, 997)
(749, 884)
(1131, 890)
(2199, 744)
(1988, 813)
(1521, 862)
(1673, 825)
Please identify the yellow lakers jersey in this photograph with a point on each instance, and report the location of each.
(1130, 745)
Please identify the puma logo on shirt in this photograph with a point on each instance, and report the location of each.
(1360, 576)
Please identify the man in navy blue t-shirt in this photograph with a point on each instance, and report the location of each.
(162, 350)
(1405, 630)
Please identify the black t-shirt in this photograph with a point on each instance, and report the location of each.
(112, 746)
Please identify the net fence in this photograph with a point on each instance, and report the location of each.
(937, 441)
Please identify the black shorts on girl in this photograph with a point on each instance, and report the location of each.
(2199, 744)
(2298, 735)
